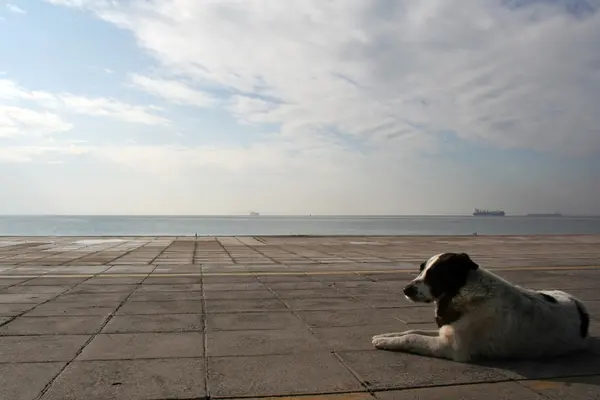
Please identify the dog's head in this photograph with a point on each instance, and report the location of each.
(442, 275)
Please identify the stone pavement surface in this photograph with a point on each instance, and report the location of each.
(185, 318)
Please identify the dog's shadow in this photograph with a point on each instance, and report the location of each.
(554, 372)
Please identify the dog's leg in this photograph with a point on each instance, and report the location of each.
(427, 332)
(417, 344)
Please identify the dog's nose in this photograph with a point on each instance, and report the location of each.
(409, 290)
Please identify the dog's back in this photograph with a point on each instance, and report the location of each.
(516, 322)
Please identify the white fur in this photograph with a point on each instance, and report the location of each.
(499, 321)
(423, 291)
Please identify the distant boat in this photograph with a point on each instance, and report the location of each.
(555, 214)
(254, 213)
(489, 213)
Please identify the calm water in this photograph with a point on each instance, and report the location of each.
(269, 225)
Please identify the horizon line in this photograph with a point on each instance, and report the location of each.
(538, 215)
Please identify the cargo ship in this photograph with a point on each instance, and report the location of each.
(489, 213)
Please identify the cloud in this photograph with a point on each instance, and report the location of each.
(112, 108)
(22, 121)
(92, 106)
(502, 74)
(15, 9)
(173, 91)
(45, 153)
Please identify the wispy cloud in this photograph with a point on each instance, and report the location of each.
(378, 69)
(15, 9)
(16, 121)
(173, 91)
(93, 106)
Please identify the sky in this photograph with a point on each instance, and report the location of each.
(337, 107)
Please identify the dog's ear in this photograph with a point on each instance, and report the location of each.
(466, 260)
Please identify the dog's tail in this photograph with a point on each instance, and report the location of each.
(584, 317)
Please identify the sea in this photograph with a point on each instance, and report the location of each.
(264, 225)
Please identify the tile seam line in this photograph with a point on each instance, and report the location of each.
(297, 395)
(47, 387)
(14, 317)
(295, 313)
(204, 318)
(324, 272)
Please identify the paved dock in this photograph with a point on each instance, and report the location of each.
(142, 318)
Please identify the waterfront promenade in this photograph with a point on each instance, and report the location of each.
(142, 318)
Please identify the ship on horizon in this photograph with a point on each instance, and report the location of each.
(489, 213)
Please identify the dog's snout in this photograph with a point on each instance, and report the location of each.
(410, 290)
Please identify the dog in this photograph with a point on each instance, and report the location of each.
(483, 316)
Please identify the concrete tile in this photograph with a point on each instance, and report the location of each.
(82, 269)
(362, 284)
(557, 367)
(252, 320)
(497, 391)
(23, 349)
(100, 280)
(54, 281)
(154, 323)
(26, 381)
(309, 293)
(178, 268)
(34, 298)
(124, 346)
(5, 282)
(30, 289)
(395, 370)
(257, 342)
(165, 296)
(415, 315)
(130, 380)
(339, 278)
(96, 299)
(129, 269)
(12, 309)
(214, 305)
(333, 318)
(265, 278)
(233, 286)
(53, 308)
(354, 337)
(172, 280)
(384, 301)
(239, 294)
(324, 304)
(584, 387)
(401, 278)
(297, 285)
(170, 288)
(207, 280)
(279, 375)
(160, 307)
(92, 289)
(79, 325)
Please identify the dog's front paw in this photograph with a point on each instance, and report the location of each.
(383, 343)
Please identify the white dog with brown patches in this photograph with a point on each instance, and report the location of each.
(482, 316)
